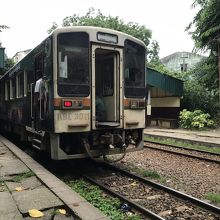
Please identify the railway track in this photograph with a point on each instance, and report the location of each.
(184, 151)
(153, 200)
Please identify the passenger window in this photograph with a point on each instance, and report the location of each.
(20, 85)
(2, 92)
(25, 83)
(13, 88)
(7, 91)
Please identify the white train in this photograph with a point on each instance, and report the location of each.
(84, 71)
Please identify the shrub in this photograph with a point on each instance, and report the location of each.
(195, 120)
(198, 97)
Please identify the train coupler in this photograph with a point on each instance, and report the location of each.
(112, 141)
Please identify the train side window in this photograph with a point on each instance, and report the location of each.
(13, 88)
(7, 90)
(20, 85)
(2, 92)
(25, 83)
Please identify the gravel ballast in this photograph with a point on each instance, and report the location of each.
(192, 176)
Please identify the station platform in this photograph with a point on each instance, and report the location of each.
(26, 185)
(209, 137)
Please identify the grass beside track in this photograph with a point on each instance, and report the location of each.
(108, 205)
(214, 197)
(177, 143)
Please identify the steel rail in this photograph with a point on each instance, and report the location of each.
(182, 154)
(138, 207)
(183, 196)
(211, 144)
(185, 148)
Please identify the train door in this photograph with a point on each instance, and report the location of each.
(106, 87)
(37, 103)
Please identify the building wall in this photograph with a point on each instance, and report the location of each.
(163, 105)
(166, 102)
(174, 61)
(155, 92)
(19, 55)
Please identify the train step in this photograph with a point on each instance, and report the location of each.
(36, 143)
(33, 131)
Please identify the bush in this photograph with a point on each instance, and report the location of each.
(195, 120)
(197, 97)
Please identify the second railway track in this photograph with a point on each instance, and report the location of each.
(184, 151)
(152, 199)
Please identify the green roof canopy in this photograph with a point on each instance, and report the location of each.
(164, 82)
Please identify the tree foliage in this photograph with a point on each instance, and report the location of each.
(93, 18)
(206, 25)
(9, 63)
(96, 18)
(206, 73)
(2, 27)
(154, 52)
(195, 96)
(203, 91)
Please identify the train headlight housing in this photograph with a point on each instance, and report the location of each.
(72, 104)
(67, 104)
(137, 104)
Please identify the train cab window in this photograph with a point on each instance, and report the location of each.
(73, 64)
(7, 90)
(134, 69)
(20, 85)
(13, 88)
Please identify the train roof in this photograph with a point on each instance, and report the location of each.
(92, 30)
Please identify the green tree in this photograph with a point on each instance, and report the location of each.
(2, 27)
(205, 31)
(206, 73)
(205, 27)
(154, 52)
(93, 18)
(96, 18)
(9, 63)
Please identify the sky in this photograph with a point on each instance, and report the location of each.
(29, 20)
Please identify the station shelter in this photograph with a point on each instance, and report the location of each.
(163, 99)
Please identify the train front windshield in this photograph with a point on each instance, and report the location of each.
(134, 69)
(73, 64)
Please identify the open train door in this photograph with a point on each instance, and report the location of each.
(107, 87)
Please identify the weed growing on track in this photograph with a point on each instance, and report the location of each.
(151, 174)
(214, 197)
(108, 205)
(183, 144)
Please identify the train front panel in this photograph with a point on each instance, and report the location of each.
(96, 67)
